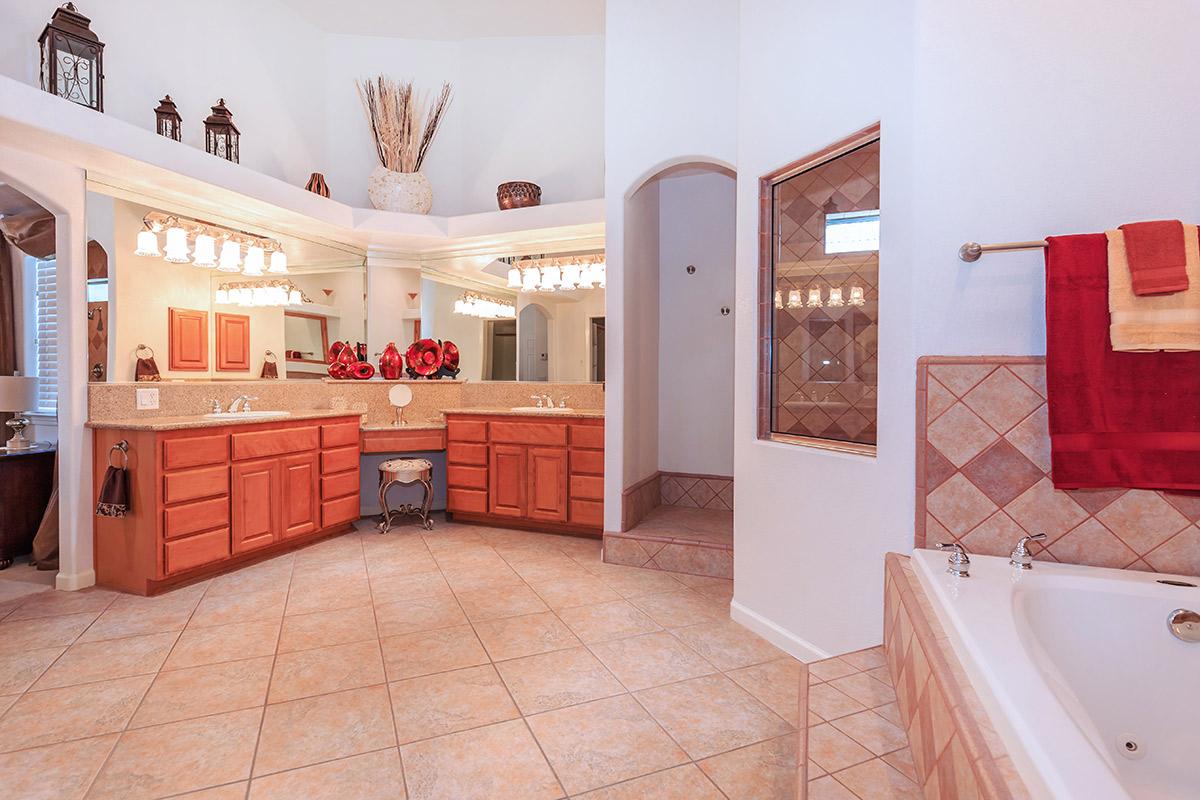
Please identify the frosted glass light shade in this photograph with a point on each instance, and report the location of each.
(176, 250)
(814, 298)
(570, 275)
(794, 299)
(295, 298)
(204, 254)
(255, 261)
(835, 297)
(147, 244)
(857, 298)
(602, 275)
(778, 298)
(530, 279)
(231, 257)
(551, 278)
(222, 297)
(278, 263)
(514, 278)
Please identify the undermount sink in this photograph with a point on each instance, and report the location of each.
(248, 414)
(543, 410)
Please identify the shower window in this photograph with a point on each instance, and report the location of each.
(819, 327)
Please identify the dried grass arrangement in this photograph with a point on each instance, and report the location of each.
(402, 125)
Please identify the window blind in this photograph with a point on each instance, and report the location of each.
(46, 336)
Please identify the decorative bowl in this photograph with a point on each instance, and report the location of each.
(518, 194)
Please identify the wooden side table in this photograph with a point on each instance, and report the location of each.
(26, 480)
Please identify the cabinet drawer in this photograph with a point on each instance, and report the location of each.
(589, 513)
(466, 477)
(462, 453)
(193, 517)
(548, 433)
(340, 485)
(339, 433)
(339, 460)
(587, 436)
(587, 487)
(335, 512)
(193, 484)
(587, 462)
(195, 451)
(471, 501)
(466, 430)
(195, 551)
(274, 442)
(402, 441)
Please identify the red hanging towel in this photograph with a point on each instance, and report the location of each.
(1157, 257)
(1116, 419)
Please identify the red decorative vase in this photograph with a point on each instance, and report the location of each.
(390, 363)
(449, 355)
(337, 370)
(335, 350)
(363, 370)
(347, 355)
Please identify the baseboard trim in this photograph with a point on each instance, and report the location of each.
(785, 641)
(73, 583)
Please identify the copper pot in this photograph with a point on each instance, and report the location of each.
(518, 194)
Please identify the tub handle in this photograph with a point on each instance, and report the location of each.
(1184, 625)
(959, 563)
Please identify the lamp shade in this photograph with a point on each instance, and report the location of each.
(17, 393)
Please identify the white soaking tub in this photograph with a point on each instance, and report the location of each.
(1093, 696)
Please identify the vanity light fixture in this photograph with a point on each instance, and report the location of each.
(260, 294)
(814, 298)
(204, 253)
(147, 244)
(231, 257)
(203, 237)
(835, 297)
(255, 261)
(551, 278)
(176, 250)
(794, 299)
(484, 307)
(856, 296)
(278, 263)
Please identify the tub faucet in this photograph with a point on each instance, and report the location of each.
(959, 564)
(1020, 557)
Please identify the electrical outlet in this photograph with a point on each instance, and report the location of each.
(147, 399)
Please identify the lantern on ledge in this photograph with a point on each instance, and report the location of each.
(220, 134)
(168, 123)
(72, 59)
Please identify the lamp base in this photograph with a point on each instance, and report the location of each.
(18, 440)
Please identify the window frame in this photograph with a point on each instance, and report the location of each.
(766, 290)
(42, 329)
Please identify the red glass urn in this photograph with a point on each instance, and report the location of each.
(363, 370)
(424, 358)
(335, 350)
(390, 363)
(347, 355)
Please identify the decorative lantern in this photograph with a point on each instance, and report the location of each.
(73, 59)
(167, 119)
(220, 134)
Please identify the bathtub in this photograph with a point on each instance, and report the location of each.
(1091, 694)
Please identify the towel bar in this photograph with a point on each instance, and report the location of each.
(971, 251)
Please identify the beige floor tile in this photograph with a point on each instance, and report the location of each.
(560, 678)
(828, 669)
(829, 703)
(605, 621)
(327, 669)
(262, 604)
(635, 582)
(448, 702)
(419, 614)
(766, 769)
(514, 637)
(18, 670)
(199, 646)
(681, 608)
(210, 689)
(130, 615)
(827, 788)
(497, 762)
(328, 594)
(23, 635)
(603, 742)
(325, 628)
(890, 712)
(7, 702)
(727, 644)
(711, 715)
(685, 782)
(582, 590)
(370, 776)
(473, 580)
(834, 750)
(54, 772)
(866, 659)
(877, 779)
(303, 732)
(654, 659)
(509, 601)
(548, 568)
(902, 760)
(57, 604)
(425, 652)
(229, 791)
(865, 689)
(873, 732)
(73, 712)
(86, 662)
(398, 588)
(275, 574)
(776, 683)
(180, 757)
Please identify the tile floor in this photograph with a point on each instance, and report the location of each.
(696, 541)
(468, 662)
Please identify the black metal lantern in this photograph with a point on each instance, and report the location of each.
(72, 58)
(168, 123)
(220, 134)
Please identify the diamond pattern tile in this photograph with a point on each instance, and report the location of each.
(960, 435)
(1002, 472)
(1002, 400)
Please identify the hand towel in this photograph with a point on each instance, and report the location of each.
(1155, 322)
(114, 493)
(1156, 256)
(1116, 419)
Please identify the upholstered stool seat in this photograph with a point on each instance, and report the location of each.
(405, 472)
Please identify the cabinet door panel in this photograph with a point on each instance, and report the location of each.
(233, 342)
(300, 507)
(507, 478)
(255, 495)
(187, 335)
(547, 496)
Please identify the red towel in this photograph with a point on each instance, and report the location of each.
(1157, 263)
(1116, 419)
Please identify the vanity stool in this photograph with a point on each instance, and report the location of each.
(405, 472)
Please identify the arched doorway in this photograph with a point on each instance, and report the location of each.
(533, 343)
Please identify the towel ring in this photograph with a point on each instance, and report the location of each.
(122, 447)
(137, 351)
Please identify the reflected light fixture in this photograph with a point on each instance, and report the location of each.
(255, 261)
(835, 297)
(814, 298)
(794, 300)
(484, 307)
(857, 297)
(260, 294)
(231, 257)
(147, 244)
(176, 250)
(278, 263)
(778, 298)
(514, 278)
(204, 254)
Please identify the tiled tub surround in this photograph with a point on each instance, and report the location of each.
(688, 540)
(983, 477)
(696, 491)
(465, 662)
(956, 752)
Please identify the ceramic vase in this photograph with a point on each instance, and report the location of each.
(390, 363)
(407, 192)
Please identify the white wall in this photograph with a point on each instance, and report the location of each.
(695, 383)
(438, 321)
(640, 298)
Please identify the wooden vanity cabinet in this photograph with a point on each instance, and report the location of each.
(530, 472)
(205, 500)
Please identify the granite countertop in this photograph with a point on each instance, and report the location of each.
(199, 421)
(408, 426)
(578, 413)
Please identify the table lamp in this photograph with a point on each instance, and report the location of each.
(18, 394)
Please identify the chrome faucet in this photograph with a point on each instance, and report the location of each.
(241, 403)
(538, 398)
(1020, 557)
(549, 401)
(562, 401)
(959, 563)
(216, 406)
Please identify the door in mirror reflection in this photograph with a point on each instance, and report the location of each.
(533, 354)
(500, 358)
